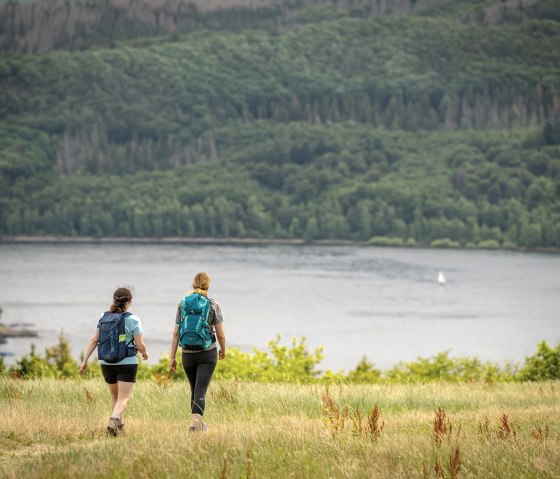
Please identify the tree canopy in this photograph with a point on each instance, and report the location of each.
(433, 124)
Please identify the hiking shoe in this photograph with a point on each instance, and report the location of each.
(121, 426)
(203, 428)
(113, 426)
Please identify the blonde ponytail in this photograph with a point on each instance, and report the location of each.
(201, 284)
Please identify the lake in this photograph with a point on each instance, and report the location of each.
(384, 303)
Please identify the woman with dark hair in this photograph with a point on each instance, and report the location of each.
(120, 376)
(199, 350)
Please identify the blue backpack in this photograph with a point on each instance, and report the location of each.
(194, 330)
(112, 346)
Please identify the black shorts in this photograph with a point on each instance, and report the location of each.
(119, 372)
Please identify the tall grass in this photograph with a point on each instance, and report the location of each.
(53, 428)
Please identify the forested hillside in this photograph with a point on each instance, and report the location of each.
(403, 122)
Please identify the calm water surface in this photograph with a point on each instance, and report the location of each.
(384, 303)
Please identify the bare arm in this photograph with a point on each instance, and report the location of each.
(175, 340)
(139, 341)
(221, 335)
(90, 349)
(174, 345)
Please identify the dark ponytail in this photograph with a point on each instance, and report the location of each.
(121, 297)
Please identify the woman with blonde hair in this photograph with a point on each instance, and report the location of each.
(198, 323)
(119, 374)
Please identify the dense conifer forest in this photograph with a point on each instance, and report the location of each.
(394, 122)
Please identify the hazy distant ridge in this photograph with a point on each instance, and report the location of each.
(42, 26)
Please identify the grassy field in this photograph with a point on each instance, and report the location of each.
(56, 429)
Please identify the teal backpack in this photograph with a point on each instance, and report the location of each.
(194, 330)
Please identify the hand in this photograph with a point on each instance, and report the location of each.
(222, 354)
(145, 356)
(173, 366)
(83, 367)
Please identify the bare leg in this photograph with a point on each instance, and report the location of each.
(124, 392)
(114, 388)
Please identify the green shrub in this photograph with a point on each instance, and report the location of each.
(32, 366)
(509, 245)
(59, 358)
(489, 244)
(543, 365)
(279, 364)
(443, 368)
(57, 362)
(296, 364)
(386, 241)
(445, 243)
(364, 373)
(161, 369)
(331, 377)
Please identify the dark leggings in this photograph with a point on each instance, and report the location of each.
(199, 368)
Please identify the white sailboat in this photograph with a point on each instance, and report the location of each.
(441, 278)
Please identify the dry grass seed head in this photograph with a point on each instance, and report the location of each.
(89, 396)
(484, 428)
(223, 472)
(163, 380)
(425, 470)
(373, 427)
(438, 470)
(356, 418)
(441, 426)
(249, 469)
(334, 416)
(505, 430)
(227, 393)
(540, 433)
(454, 463)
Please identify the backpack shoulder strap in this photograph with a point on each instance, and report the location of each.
(182, 308)
(125, 315)
(208, 308)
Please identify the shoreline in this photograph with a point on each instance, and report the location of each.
(52, 239)
(154, 240)
(173, 240)
(7, 332)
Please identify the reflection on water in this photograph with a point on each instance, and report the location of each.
(384, 303)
